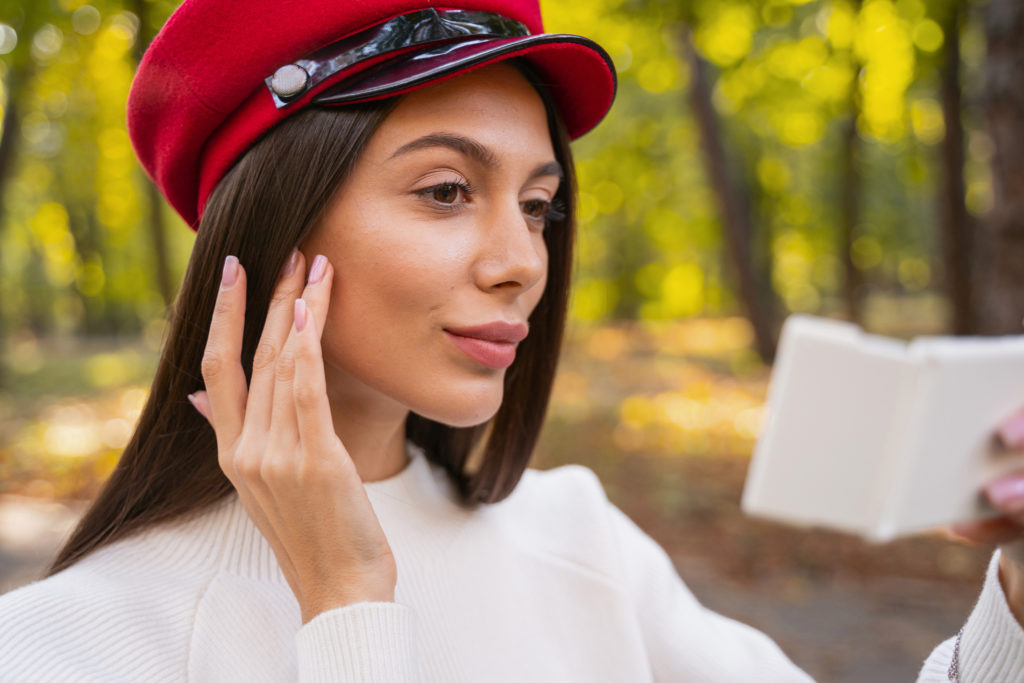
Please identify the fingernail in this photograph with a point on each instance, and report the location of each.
(195, 404)
(300, 314)
(293, 260)
(230, 272)
(1006, 492)
(316, 273)
(1011, 433)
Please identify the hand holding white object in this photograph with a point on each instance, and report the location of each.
(1007, 531)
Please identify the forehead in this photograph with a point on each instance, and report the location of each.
(495, 105)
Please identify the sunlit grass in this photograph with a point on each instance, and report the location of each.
(676, 388)
(67, 409)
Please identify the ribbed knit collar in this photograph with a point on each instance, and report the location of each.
(413, 481)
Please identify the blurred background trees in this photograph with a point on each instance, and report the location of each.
(765, 156)
(835, 157)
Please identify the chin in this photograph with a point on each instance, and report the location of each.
(465, 410)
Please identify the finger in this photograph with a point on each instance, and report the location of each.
(1007, 496)
(283, 425)
(283, 413)
(988, 531)
(275, 334)
(317, 293)
(221, 364)
(200, 400)
(313, 410)
(1011, 432)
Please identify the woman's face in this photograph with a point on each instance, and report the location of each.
(437, 244)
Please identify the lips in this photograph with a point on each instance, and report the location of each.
(492, 345)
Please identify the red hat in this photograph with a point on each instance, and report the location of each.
(221, 73)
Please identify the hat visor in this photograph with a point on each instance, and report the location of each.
(577, 72)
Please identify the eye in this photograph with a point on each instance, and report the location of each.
(536, 208)
(445, 194)
(543, 211)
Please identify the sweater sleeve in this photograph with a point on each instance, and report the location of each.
(685, 640)
(991, 648)
(368, 642)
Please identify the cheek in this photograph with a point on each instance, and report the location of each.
(385, 310)
(380, 290)
(533, 297)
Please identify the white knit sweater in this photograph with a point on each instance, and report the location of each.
(552, 584)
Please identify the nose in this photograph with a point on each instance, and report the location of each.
(513, 255)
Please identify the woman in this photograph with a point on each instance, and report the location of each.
(374, 306)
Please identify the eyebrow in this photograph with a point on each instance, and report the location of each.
(474, 150)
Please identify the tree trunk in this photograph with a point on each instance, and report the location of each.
(734, 207)
(11, 129)
(154, 202)
(957, 248)
(849, 208)
(20, 71)
(8, 152)
(850, 197)
(158, 232)
(1002, 302)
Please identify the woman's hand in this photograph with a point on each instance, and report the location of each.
(276, 443)
(1007, 496)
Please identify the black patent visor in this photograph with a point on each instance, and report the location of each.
(438, 28)
(427, 65)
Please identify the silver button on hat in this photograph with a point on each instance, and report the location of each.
(289, 81)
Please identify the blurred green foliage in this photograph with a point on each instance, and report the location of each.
(786, 74)
(78, 257)
(75, 249)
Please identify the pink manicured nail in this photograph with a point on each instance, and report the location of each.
(300, 314)
(230, 272)
(293, 260)
(1011, 432)
(316, 273)
(1007, 492)
(195, 403)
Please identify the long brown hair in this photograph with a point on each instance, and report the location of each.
(263, 207)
